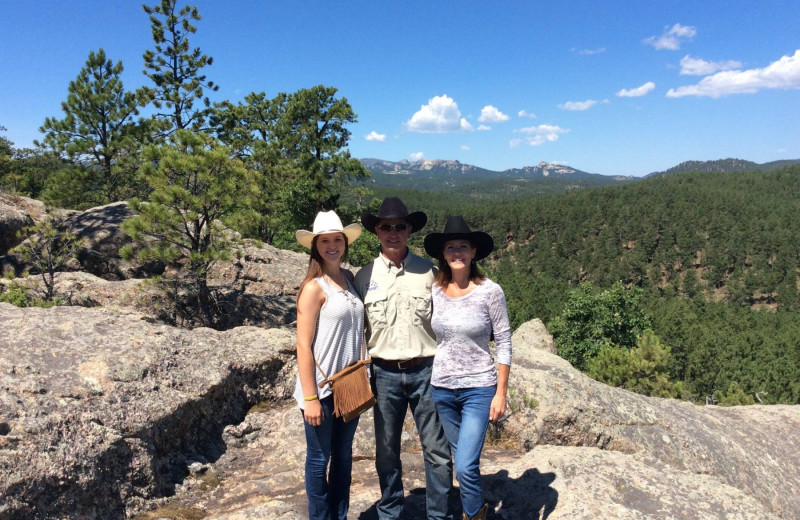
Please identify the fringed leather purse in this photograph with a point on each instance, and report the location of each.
(352, 394)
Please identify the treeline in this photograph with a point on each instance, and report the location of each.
(716, 256)
(293, 145)
(193, 170)
(730, 237)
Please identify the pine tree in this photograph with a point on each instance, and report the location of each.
(642, 369)
(49, 245)
(297, 144)
(199, 192)
(98, 129)
(176, 70)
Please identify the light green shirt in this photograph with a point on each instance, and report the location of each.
(397, 300)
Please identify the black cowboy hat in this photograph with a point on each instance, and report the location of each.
(391, 208)
(454, 229)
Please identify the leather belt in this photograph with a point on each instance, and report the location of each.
(400, 365)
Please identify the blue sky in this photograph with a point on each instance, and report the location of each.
(617, 87)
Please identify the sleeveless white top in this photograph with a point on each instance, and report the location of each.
(338, 336)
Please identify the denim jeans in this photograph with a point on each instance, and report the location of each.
(395, 391)
(332, 441)
(465, 417)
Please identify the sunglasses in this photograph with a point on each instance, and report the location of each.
(400, 226)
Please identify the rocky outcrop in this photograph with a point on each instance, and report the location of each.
(101, 411)
(753, 449)
(256, 269)
(530, 337)
(99, 230)
(101, 237)
(16, 212)
(257, 287)
(260, 285)
(104, 414)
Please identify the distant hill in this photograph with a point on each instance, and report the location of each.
(544, 178)
(448, 168)
(437, 174)
(724, 166)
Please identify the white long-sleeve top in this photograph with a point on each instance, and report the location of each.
(463, 327)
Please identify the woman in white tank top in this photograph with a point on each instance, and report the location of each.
(330, 332)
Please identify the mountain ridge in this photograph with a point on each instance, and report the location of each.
(455, 168)
(450, 167)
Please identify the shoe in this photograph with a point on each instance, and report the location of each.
(480, 515)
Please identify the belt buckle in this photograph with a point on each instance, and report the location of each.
(408, 363)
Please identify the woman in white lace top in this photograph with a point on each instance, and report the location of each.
(469, 386)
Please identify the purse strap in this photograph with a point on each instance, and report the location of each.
(362, 358)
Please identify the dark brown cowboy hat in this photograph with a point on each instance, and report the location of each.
(457, 229)
(391, 208)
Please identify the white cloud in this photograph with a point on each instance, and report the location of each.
(578, 105)
(464, 148)
(375, 136)
(483, 128)
(441, 115)
(490, 114)
(672, 37)
(538, 135)
(416, 156)
(781, 74)
(697, 67)
(638, 91)
(590, 52)
(525, 113)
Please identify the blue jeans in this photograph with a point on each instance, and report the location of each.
(465, 417)
(395, 391)
(329, 491)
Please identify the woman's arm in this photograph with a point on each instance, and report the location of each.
(502, 337)
(309, 302)
(498, 407)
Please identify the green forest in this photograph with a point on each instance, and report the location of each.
(681, 285)
(714, 258)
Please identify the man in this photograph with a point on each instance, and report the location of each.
(396, 289)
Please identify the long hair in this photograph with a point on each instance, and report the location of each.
(445, 275)
(316, 265)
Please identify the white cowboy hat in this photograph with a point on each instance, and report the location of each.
(328, 222)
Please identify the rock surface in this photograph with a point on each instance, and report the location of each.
(101, 411)
(16, 213)
(258, 287)
(753, 449)
(531, 336)
(99, 229)
(105, 415)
